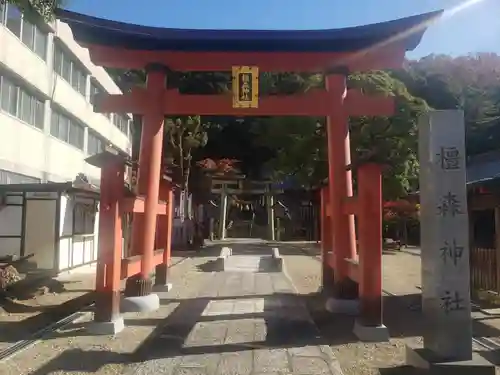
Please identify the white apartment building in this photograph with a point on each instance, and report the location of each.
(47, 86)
(47, 130)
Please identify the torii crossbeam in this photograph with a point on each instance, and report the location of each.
(335, 53)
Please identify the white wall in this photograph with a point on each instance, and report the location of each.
(33, 152)
(40, 231)
(75, 251)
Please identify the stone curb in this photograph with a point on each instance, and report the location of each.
(220, 262)
(278, 260)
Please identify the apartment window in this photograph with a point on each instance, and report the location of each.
(121, 123)
(21, 103)
(3, 8)
(8, 177)
(13, 19)
(27, 30)
(66, 129)
(70, 70)
(95, 144)
(34, 38)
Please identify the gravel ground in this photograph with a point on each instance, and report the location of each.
(21, 317)
(71, 350)
(401, 275)
(356, 358)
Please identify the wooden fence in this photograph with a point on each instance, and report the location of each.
(483, 269)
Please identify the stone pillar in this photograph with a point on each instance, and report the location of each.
(270, 215)
(446, 302)
(223, 213)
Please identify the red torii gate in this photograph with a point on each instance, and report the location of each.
(335, 53)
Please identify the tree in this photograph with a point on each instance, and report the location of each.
(182, 136)
(45, 8)
(300, 143)
(468, 82)
(296, 147)
(221, 167)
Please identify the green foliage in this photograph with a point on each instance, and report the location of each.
(182, 136)
(300, 143)
(388, 140)
(471, 83)
(43, 7)
(297, 146)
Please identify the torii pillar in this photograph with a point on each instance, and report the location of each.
(343, 237)
(107, 318)
(139, 287)
(357, 279)
(164, 236)
(326, 242)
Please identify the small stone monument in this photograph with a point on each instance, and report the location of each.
(445, 249)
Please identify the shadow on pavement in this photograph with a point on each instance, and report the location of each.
(401, 370)
(171, 339)
(172, 336)
(14, 331)
(77, 361)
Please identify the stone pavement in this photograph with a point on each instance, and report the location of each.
(247, 320)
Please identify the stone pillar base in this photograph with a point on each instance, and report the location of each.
(371, 334)
(346, 289)
(137, 286)
(327, 278)
(148, 303)
(278, 261)
(342, 306)
(425, 359)
(106, 328)
(159, 288)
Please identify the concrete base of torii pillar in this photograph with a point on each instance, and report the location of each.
(426, 359)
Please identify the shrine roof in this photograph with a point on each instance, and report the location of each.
(407, 32)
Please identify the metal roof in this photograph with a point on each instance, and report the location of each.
(61, 187)
(91, 30)
(483, 168)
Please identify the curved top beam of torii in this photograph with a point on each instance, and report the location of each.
(328, 46)
(92, 30)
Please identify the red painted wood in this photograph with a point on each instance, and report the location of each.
(326, 236)
(110, 228)
(137, 205)
(339, 183)
(168, 228)
(313, 103)
(143, 242)
(389, 56)
(350, 206)
(164, 222)
(133, 265)
(370, 235)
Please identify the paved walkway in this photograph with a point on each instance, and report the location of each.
(243, 321)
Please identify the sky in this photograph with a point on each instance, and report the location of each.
(473, 29)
